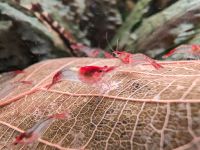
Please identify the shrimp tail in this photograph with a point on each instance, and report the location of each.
(157, 65)
(108, 69)
(170, 53)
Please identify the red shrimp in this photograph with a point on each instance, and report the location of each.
(91, 52)
(86, 74)
(16, 72)
(134, 59)
(36, 131)
(9, 86)
(93, 74)
(125, 57)
(193, 50)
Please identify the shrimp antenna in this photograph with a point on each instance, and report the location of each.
(110, 47)
(117, 44)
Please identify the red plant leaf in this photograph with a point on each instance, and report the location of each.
(150, 109)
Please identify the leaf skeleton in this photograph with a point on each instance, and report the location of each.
(94, 74)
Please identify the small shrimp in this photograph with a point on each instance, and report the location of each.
(193, 50)
(36, 131)
(134, 59)
(93, 74)
(125, 57)
(16, 72)
(86, 74)
(63, 74)
(96, 53)
(9, 75)
(8, 87)
(91, 52)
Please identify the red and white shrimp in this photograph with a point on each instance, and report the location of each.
(63, 74)
(94, 75)
(91, 52)
(9, 86)
(17, 72)
(134, 59)
(91, 75)
(14, 73)
(86, 74)
(190, 50)
(32, 134)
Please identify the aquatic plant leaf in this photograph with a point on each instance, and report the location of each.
(24, 40)
(173, 26)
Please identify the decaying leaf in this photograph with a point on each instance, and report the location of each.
(150, 109)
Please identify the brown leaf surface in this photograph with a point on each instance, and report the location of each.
(151, 109)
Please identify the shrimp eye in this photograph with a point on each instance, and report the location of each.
(100, 71)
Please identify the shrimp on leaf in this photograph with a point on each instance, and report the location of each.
(134, 59)
(91, 52)
(94, 76)
(97, 77)
(8, 86)
(190, 51)
(63, 74)
(86, 74)
(32, 134)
